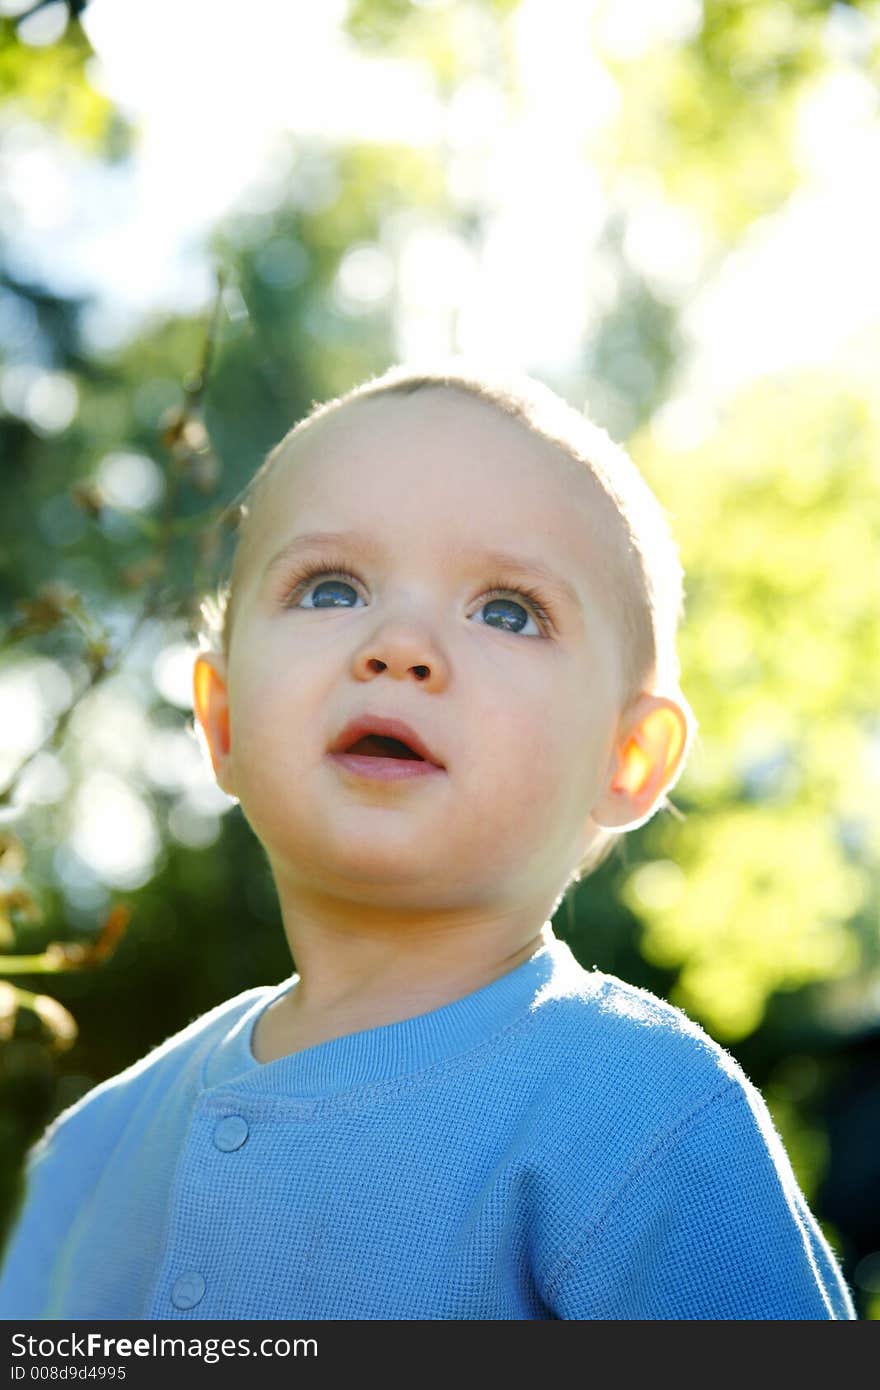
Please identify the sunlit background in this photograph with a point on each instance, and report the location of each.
(665, 209)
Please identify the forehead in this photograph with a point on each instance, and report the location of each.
(428, 468)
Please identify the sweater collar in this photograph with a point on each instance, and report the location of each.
(392, 1049)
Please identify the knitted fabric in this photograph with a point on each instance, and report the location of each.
(557, 1144)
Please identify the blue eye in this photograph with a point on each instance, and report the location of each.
(331, 580)
(331, 586)
(327, 594)
(510, 618)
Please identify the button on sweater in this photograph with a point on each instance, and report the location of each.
(557, 1144)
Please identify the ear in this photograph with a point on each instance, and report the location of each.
(647, 756)
(211, 709)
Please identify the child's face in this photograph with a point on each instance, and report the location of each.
(521, 714)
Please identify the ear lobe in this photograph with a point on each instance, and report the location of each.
(211, 709)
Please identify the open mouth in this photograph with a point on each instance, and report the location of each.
(379, 746)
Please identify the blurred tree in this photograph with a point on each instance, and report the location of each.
(773, 886)
(49, 85)
(713, 117)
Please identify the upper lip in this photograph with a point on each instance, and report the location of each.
(365, 724)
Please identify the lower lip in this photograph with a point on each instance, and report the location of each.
(385, 769)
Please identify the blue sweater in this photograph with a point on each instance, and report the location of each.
(557, 1144)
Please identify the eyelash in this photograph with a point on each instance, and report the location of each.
(296, 584)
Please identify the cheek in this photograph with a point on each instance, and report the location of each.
(271, 719)
(529, 749)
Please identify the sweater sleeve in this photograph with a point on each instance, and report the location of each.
(710, 1223)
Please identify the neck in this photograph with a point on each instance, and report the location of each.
(362, 961)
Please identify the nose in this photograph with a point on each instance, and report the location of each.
(403, 649)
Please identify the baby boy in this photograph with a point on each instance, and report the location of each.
(441, 685)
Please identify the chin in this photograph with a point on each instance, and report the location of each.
(351, 861)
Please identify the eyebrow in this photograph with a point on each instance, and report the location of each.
(499, 559)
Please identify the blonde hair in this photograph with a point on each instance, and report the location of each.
(647, 597)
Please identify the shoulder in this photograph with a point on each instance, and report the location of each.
(179, 1058)
(617, 1052)
(620, 1023)
(668, 1192)
(640, 1104)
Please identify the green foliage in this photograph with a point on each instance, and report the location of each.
(778, 519)
(49, 85)
(713, 117)
(451, 39)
